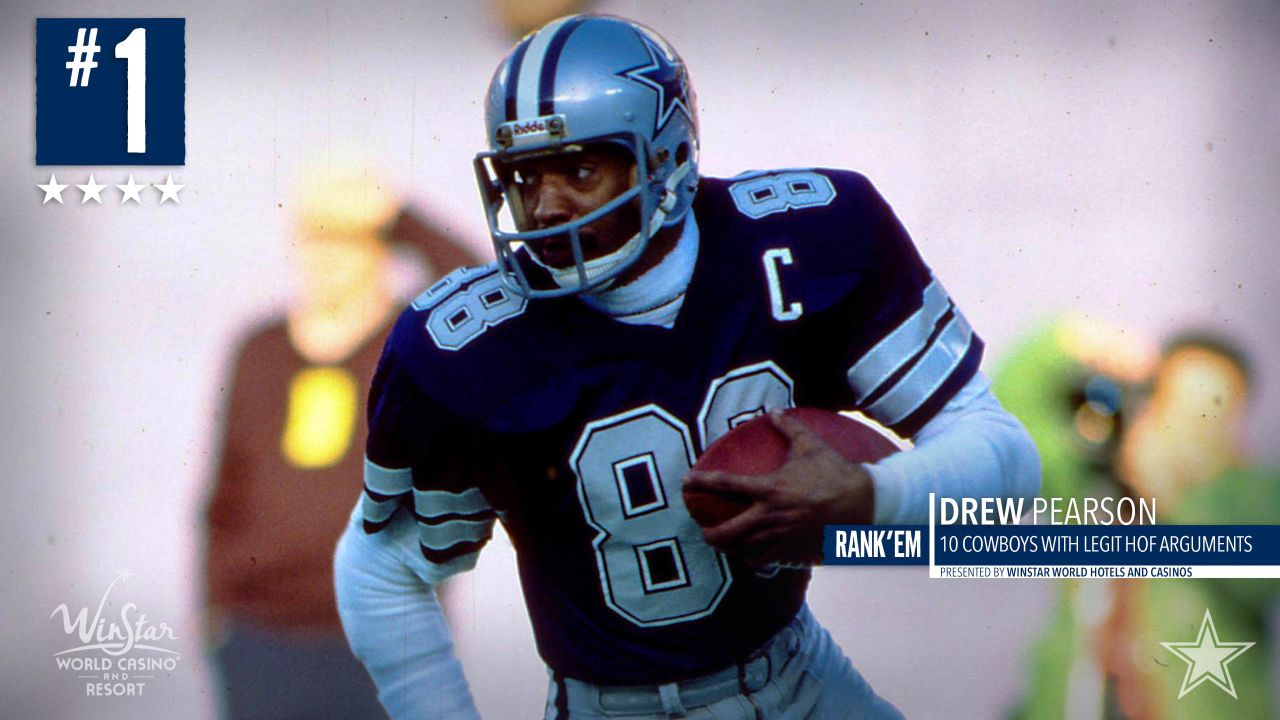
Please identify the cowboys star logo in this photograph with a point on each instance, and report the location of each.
(1207, 657)
(667, 77)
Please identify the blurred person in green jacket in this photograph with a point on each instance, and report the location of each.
(1101, 430)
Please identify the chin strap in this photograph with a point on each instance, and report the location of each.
(602, 266)
(654, 298)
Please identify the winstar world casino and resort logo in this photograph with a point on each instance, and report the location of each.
(121, 651)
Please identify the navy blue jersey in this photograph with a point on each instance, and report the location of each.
(576, 430)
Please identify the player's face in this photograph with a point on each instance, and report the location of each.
(557, 189)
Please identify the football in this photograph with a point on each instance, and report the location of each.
(756, 448)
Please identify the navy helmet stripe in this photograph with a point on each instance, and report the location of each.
(547, 82)
(513, 76)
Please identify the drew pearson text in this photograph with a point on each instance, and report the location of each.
(1048, 511)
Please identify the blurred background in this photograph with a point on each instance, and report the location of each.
(1120, 162)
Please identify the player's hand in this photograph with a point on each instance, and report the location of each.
(814, 487)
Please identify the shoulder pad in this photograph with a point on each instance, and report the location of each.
(827, 229)
(445, 338)
(464, 304)
(472, 344)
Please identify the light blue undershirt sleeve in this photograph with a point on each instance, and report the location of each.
(394, 623)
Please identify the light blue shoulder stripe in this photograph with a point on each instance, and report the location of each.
(433, 503)
(375, 511)
(922, 381)
(387, 481)
(900, 345)
(450, 533)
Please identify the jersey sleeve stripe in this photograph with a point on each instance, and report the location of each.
(379, 497)
(448, 517)
(387, 482)
(453, 560)
(904, 342)
(911, 424)
(930, 372)
(375, 511)
(433, 503)
(444, 536)
(885, 387)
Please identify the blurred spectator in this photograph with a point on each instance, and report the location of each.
(1176, 439)
(1068, 382)
(291, 454)
(519, 17)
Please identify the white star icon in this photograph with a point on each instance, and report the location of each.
(91, 189)
(1207, 658)
(169, 191)
(131, 191)
(52, 191)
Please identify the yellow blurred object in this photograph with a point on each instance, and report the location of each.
(321, 417)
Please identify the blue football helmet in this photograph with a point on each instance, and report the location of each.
(580, 80)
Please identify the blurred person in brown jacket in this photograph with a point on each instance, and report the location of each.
(292, 440)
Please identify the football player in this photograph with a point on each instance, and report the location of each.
(637, 311)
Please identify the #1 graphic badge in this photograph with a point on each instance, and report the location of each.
(110, 91)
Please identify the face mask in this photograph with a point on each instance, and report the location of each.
(605, 265)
